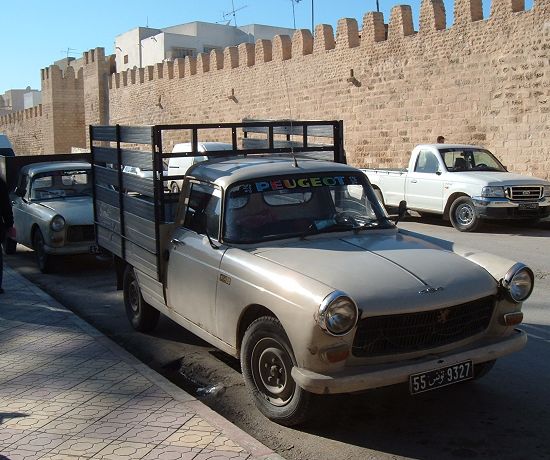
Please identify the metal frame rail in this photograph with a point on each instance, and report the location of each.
(129, 210)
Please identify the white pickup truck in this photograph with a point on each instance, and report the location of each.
(463, 183)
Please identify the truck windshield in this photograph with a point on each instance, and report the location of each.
(468, 159)
(300, 205)
(61, 184)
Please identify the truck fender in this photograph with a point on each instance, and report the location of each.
(449, 203)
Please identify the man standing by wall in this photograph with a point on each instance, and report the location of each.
(6, 223)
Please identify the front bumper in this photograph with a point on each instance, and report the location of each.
(72, 248)
(503, 208)
(376, 376)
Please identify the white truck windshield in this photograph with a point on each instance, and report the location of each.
(469, 159)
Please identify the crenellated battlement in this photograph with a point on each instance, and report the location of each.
(480, 80)
(373, 33)
(22, 115)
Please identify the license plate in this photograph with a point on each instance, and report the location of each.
(528, 206)
(437, 378)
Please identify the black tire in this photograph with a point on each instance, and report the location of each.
(267, 361)
(482, 369)
(142, 316)
(43, 259)
(463, 215)
(174, 188)
(10, 246)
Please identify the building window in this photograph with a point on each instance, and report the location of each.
(176, 52)
(125, 59)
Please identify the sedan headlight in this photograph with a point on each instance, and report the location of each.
(518, 282)
(493, 192)
(338, 314)
(58, 223)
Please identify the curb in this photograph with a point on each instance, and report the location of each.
(252, 445)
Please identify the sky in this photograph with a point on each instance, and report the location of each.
(35, 33)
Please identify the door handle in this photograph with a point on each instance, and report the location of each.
(175, 242)
(413, 181)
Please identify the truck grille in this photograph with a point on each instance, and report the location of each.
(78, 233)
(383, 335)
(524, 192)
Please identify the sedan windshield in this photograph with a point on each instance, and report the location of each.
(300, 205)
(470, 159)
(61, 184)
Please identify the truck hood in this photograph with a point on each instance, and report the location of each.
(75, 211)
(386, 272)
(496, 178)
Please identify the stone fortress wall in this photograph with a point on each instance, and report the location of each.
(483, 81)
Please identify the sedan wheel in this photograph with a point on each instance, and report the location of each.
(463, 215)
(43, 259)
(267, 361)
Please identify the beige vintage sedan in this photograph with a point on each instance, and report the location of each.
(53, 210)
(297, 269)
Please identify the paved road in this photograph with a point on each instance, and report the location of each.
(503, 416)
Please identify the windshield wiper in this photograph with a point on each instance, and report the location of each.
(313, 229)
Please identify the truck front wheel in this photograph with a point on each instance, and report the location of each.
(142, 316)
(463, 215)
(267, 361)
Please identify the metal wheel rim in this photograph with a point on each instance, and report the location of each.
(271, 366)
(133, 296)
(465, 214)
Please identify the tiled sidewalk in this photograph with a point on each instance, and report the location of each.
(68, 392)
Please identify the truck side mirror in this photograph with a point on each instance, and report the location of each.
(401, 211)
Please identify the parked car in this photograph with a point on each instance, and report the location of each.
(53, 210)
(463, 183)
(178, 166)
(6, 148)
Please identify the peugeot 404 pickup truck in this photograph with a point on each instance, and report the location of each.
(464, 183)
(292, 265)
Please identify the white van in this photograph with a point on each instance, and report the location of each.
(6, 148)
(179, 166)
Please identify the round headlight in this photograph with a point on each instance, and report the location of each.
(338, 314)
(518, 282)
(57, 224)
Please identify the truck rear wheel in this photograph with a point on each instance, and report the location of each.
(463, 215)
(142, 316)
(267, 361)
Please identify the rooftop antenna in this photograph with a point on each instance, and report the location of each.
(69, 51)
(293, 12)
(228, 14)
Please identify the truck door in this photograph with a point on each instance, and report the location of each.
(193, 265)
(424, 185)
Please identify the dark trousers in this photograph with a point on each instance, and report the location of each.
(1, 265)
